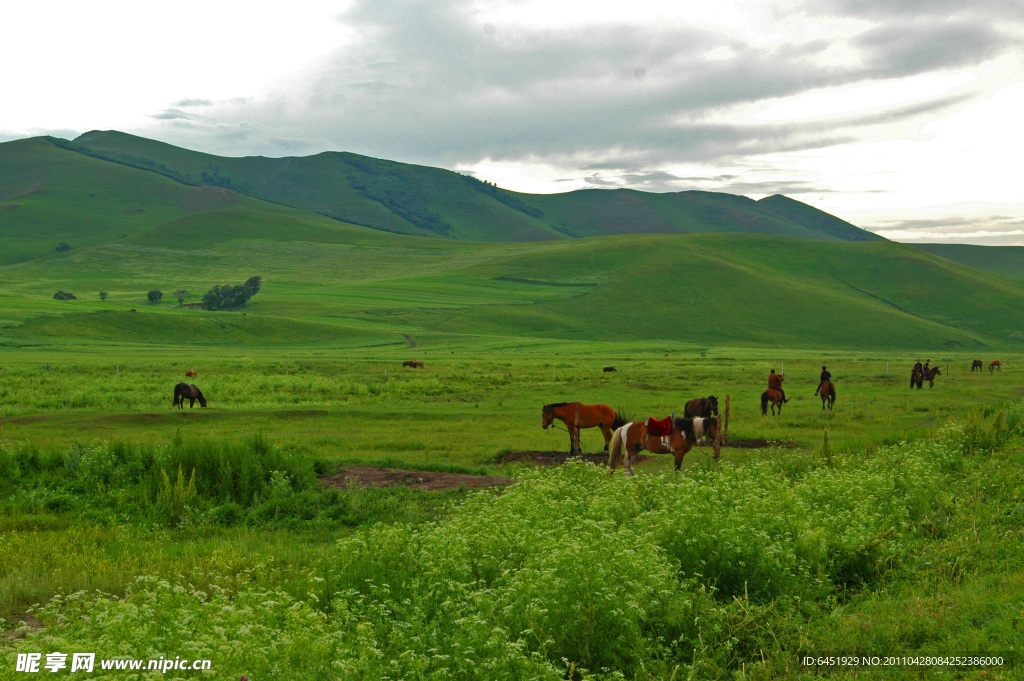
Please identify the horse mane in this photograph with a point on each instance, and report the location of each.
(555, 404)
(685, 426)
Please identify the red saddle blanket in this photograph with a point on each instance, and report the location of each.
(656, 428)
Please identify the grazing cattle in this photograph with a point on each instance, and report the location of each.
(977, 365)
(608, 370)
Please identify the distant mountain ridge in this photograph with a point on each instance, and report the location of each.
(421, 200)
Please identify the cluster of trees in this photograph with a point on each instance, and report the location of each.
(229, 297)
(64, 295)
(218, 298)
(395, 193)
(505, 197)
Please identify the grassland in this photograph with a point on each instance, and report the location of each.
(888, 526)
(891, 525)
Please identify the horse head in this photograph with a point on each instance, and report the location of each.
(547, 416)
(713, 403)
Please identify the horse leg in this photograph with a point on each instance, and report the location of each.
(606, 430)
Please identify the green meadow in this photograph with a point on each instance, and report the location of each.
(889, 527)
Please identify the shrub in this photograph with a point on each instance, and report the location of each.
(154, 296)
(64, 295)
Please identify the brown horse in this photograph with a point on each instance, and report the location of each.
(977, 365)
(917, 378)
(632, 438)
(413, 364)
(702, 406)
(576, 416)
(775, 397)
(184, 391)
(994, 366)
(191, 373)
(828, 394)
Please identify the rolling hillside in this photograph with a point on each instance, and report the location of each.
(1008, 260)
(353, 287)
(411, 199)
(768, 273)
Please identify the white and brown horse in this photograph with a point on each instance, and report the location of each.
(632, 438)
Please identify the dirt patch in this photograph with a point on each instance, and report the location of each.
(371, 476)
(554, 458)
(25, 623)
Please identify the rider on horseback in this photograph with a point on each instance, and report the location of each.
(826, 375)
(924, 369)
(917, 369)
(775, 383)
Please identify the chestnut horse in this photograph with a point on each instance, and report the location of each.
(184, 391)
(918, 378)
(576, 416)
(995, 365)
(977, 365)
(632, 438)
(413, 363)
(191, 373)
(702, 406)
(828, 394)
(775, 397)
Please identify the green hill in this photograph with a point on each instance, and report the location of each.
(357, 287)
(411, 199)
(140, 215)
(1008, 260)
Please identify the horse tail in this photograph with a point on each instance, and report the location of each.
(764, 403)
(615, 450)
(621, 418)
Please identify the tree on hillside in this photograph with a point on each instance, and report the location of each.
(154, 296)
(229, 297)
(62, 247)
(103, 295)
(181, 294)
(64, 295)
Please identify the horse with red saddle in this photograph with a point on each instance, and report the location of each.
(671, 435)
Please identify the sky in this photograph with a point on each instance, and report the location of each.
(903, 117)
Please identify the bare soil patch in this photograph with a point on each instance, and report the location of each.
(372, 476)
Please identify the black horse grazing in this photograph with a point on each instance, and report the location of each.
(184, 391)
(608, 370)
(705, 407)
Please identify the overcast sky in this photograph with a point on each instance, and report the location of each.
(901, 116)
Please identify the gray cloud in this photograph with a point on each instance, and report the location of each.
(448, 84)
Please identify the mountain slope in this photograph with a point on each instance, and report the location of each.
(1008, 260)
(420, 200)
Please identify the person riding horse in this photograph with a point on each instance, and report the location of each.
(826, 375)
(775, 383)
(924, 369)
(918, 369)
